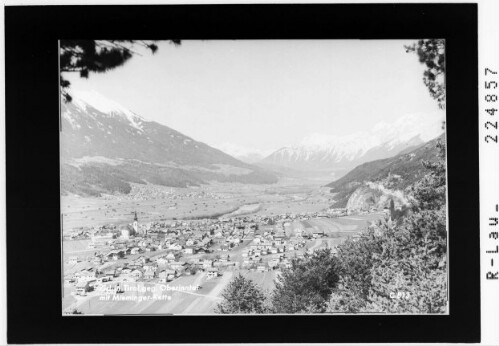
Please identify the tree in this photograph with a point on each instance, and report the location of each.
(397, 268)
(85, 56)
(356, 259)
(430, 192)
(392, 209)
(307, 285)
(242, 296)
(410, 275)
(432, 54)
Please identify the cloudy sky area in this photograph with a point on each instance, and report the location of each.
(264, 95)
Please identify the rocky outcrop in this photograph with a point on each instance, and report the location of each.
(374, 195)
(363, 199)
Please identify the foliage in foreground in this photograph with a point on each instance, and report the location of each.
(241, 296)
(400, 266)
(97, 56)
(431, 53)
(307, 285)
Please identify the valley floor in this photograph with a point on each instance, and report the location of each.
(234, 200)
(287, 196)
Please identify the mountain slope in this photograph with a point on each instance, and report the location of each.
(396, 172)
(318, 151)
(104, 146)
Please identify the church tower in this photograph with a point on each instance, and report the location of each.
(136, 223)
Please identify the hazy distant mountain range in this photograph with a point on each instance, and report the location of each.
(323, 152)
(248, 155)
(105, 146)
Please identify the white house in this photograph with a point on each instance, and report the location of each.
(212, 273)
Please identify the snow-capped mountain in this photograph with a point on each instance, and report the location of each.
(384, 140)
(104, 145)
(96, 126)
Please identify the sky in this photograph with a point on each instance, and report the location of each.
(268, 94)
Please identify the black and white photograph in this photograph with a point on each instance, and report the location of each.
(284, 173)
(229, 177)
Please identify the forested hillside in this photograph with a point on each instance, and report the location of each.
(397, 172)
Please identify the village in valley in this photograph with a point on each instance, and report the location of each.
(181, 266)
(166, 204)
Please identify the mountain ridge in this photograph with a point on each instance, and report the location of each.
(396, 173)
(143, 151)
(384, 140)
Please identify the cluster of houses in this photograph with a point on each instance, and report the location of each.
(155, 269)
(334, 212)
(86, 232)
(163, 251)
(273, 250)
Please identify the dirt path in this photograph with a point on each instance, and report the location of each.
(206, 303)
(215, 292)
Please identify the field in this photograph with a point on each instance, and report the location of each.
(216, 199)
